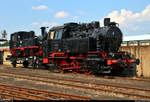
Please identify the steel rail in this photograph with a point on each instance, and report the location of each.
(106, 77)
(5, 96)
(43, 92)
(23, 94)
(136, 79)
(84, 87)
(83, 82)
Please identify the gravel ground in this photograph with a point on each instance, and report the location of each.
(56, 88)
(90, 78)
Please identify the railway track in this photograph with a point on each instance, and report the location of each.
(107, 91)
(125, 78)
(23, 94)
(106, 77)
(34, 94)
(4, 96)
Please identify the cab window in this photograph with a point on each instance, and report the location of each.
(13, 37)
(58, 34)
(52, 34)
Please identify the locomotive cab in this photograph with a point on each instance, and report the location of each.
(18, 39)
(66, 39)
(62, 32)
(56, 34)
(55, 38)
(22, 35)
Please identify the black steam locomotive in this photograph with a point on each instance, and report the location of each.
(74, 47)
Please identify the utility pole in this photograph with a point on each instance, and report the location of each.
(4, 34)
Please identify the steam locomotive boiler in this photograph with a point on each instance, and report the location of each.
(74, 47)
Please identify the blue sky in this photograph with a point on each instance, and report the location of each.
(15, 15)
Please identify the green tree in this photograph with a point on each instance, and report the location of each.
(5, 44)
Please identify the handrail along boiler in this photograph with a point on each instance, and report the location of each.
(74, 47)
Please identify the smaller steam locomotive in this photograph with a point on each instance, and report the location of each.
(74, 47)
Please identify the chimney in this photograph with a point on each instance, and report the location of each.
(106, 21)
(43, 31)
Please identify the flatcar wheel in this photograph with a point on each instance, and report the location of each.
(34, 66)
(124, 73)
(58, 69)
(25, 64)
(88, 72)
(55, 71)
(62, 71)
(14, 64)
(74, 72)
(1, 62)
(132, 71)
(35, 63)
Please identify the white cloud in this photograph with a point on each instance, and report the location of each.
(35, 23)
(82, 13)
(135, 28)
(75, 17)
(61, 14)
(128, 19)
(41, 7)
(50, 24)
